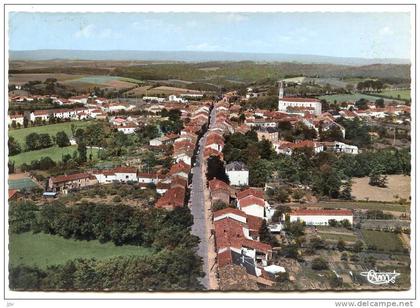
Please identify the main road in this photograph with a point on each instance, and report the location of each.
(201, 227)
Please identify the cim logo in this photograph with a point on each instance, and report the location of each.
(380, 277)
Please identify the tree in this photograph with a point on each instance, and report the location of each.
(45, 141)
(345, 193)
(380, 103)
(358, 246)
(376, 177)
(319, 264)
(81, 148)
(341, 245)
(11, 167)
(25, 122)
(218, 205)
(362, 104)
(32, 142)
(260, 172)
(62, 139)
(14, 146)
(266, 236)
(216, 169)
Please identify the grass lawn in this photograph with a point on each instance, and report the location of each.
(45, 249)
(385, 241)
(55, 153)
(52, 130)
(22, 183)
(347, 97)
(397, 94)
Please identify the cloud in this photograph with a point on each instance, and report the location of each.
(86, 31)
(91, 31)
(233, 17)
(203, 47)
(385, 31)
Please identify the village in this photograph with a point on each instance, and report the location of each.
(268, 190)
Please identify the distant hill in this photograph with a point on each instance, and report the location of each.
(190, 56)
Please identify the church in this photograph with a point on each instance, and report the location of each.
(298, 104)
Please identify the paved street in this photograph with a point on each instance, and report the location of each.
(198, 210)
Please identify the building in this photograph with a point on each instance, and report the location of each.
(340, 147)
(64, 183)
(287, 104)
(128, 129)
(219, 191)
(287, 148)
(17, 119)
(238, 173)
(171, 199)
(235, 243)
(119, 174)
(268, 133)
(320, 217)
(252, 205)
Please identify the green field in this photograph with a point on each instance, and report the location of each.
(25, 183)
(385, 241)
(55, 153)
(397, 94)
(44, 249)
(395, 207)
(336, 237)
(52, 130)
(347, 97)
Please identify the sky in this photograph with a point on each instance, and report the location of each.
(365, 35)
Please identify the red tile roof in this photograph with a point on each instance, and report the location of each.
(216, 184)
(251, 200)
(12, 193)
(173, 197)
(125, 170)
(180, 167)
(254, 223)
(250, 191)
(229, 210)
(71, 177)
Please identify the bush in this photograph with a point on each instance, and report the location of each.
(116, 199)
(319, 264)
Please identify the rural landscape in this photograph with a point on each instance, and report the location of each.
(148, 175)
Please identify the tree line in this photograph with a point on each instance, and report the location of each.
(175, 266)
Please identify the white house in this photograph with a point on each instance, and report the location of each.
(252, 205)
(340, 147)
(128, 129)
(17, 118)
(174, 98)
(119, 174)
(320, 217)
(238, 173)
(148, 178)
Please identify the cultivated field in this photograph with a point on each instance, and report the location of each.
(398, 186)
(20, 79)
(393, 207)
(55, 153)
(100, 81)
(43, 249)
(161, 90)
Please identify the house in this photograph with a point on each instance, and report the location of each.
(252, 205)
(171, 199)
(81, 99)
(320, 217)
(260, 122)
(118, 174)
(127, 129)
(180, 169)
(268, 133)
(147, 178)
(64, 183)
(250, 192)
(153, 99)
(39, 115)
(219, 191)
(287, 148)
(174, 98)
(238, 173)
(340, 147)
(16, 118)
(287, 104)
(215, 142)
(235, 245)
